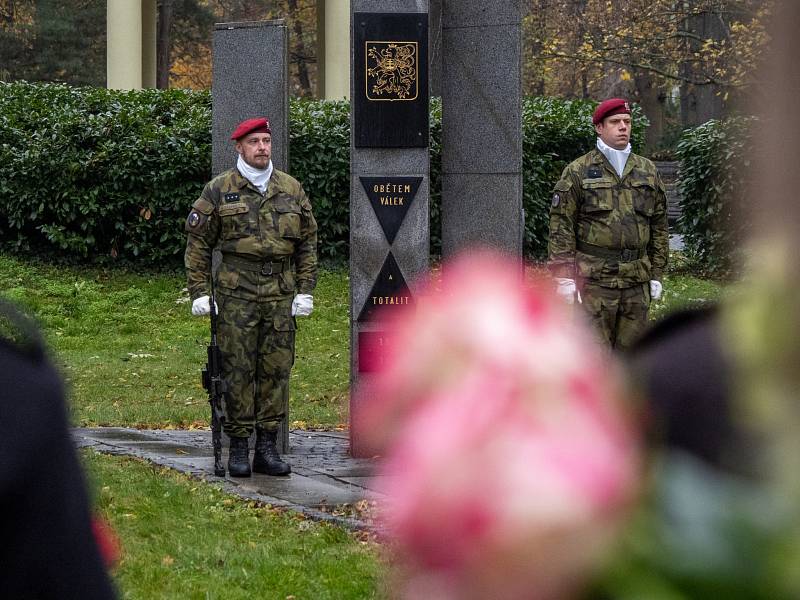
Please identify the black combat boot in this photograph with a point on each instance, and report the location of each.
(239, 459)
(266, 458)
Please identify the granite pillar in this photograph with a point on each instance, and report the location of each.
(250, 79)
(482, 126)
(389, 175)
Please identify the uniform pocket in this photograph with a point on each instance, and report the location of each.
(283, 322)
(288, 218)
(235, 219)
(228, 279)
(597, 195)
(286, 282)
(289, 223)
(644, 197)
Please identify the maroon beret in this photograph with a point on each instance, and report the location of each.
(258, 125)
(612, 106)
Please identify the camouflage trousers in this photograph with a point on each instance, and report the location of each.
(618, 315)
(256, 340)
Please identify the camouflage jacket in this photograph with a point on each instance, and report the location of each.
(276, 231)
(609, 229)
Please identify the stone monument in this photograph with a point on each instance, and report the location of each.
(482, 126)
(250, 79)
(389, 171)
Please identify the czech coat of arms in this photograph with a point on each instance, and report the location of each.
(392, 70)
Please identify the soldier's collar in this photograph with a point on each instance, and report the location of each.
(277, 183)
(602, 161)
(239, 180)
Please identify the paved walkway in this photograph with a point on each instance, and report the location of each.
(325, 483)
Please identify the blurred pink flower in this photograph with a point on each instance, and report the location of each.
(509, 458)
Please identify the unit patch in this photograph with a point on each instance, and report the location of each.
(556, 200)
(195, 221)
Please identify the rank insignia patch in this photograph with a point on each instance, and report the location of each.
(232, 197)
(594, 173)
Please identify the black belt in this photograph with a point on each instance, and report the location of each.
(623, 255)
(263, 267)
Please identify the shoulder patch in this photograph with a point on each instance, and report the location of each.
(195, 222)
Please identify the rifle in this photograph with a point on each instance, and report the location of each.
(216, 388)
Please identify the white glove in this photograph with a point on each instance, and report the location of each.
(202, 306)
(302, 305)
(567, 290)
(655, 289)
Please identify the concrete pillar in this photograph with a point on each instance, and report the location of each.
(124, 51)
(482, 126)
(250, 78)
(335, 57)
(389, 184)
(131, 45)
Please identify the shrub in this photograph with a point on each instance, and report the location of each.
(713, 183)
(96, 173)
(102, 175)
(319, 155)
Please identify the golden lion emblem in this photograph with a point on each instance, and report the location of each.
(391, 70)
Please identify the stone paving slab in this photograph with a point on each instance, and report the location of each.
(325, 479)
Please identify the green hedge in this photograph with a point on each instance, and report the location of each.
(90, 173)
(713, 181)
(319, 155)
(95, 174)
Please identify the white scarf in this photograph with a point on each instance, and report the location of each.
(257, 177)
(617, 158)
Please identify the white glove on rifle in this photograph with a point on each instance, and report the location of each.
(302, 305)
(202, 306)
(655, 289)
(567, 290)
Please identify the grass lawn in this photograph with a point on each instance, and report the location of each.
(131, 351)
(131, 354)
(184, 539)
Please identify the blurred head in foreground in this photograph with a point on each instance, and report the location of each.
(509, 457)
(52, 548)
(763, 324)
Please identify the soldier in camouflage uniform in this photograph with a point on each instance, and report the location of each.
(261, 221)
(608, 230)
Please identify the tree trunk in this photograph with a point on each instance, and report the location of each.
(300, 57)
(163, 44)
(652, 103)
(700, 101)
